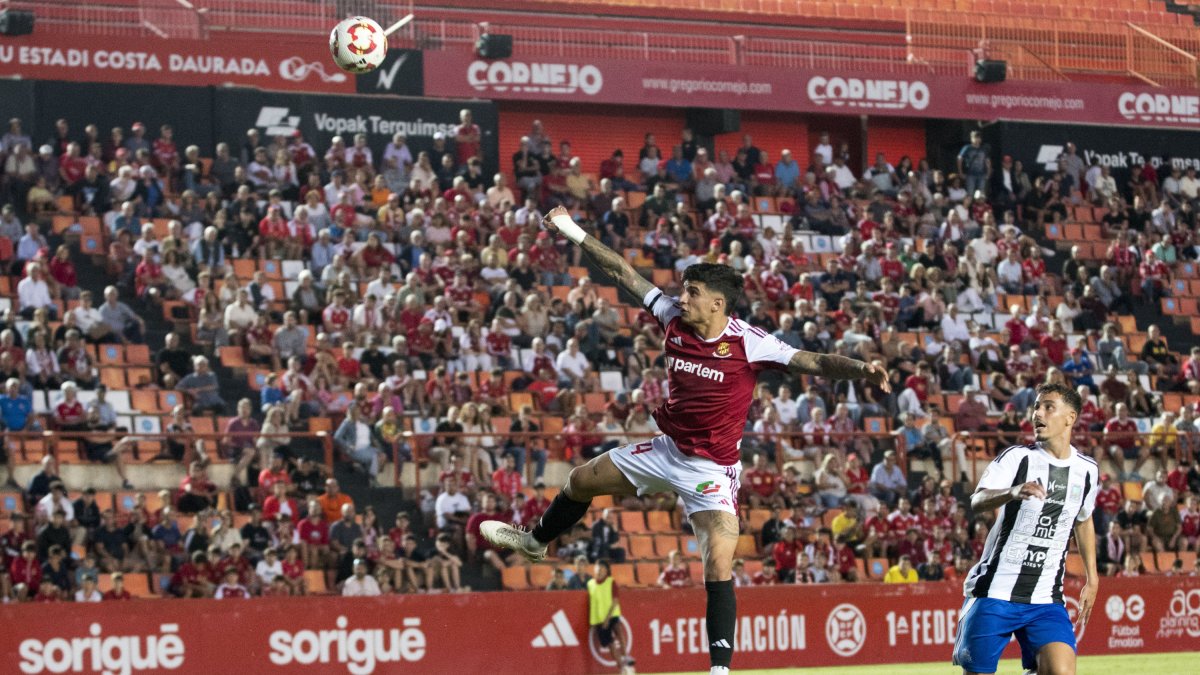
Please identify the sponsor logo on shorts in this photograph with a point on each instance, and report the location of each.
(708, 487)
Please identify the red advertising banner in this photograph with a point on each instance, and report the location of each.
(301, 64)
(547, 632)
(450, 73)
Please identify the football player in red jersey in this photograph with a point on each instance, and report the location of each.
(713, 362)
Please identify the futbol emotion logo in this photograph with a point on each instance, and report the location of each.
(362, 38)
(846, 630)
(708, 488)
(1133, 608)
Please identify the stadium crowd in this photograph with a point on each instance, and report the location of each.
(411, 288)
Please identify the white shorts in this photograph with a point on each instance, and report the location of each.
(657, 465)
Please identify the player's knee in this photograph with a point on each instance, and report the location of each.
(577, 487)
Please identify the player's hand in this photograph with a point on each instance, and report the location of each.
(1030, 490)
(548, 221)
(1087, 599)
(878, 375)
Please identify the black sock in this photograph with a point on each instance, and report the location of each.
(562, 514)
(720, 619)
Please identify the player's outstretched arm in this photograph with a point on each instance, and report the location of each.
(989, 499)
(613, 263)
(836, 367)
(1085, 538)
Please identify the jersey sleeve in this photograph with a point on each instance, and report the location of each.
(1089, 497)
(662, 306)
(1002, 470)
(767, 350)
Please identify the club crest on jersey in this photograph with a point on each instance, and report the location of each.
(708, 488)
(1075, 493)
(722, 351)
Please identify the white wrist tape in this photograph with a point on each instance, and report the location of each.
(569, 229)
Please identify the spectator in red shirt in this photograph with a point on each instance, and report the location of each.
(506, 480)
(26, 569)
(1154, 276)
(466, 138)
(1054, 344)
(279, 502)
(117, 592)
(844, 559)
(165, 154)
(784, 553)
(768, 576)
(1017, 331)
(761, 483)
(196, 491)
(676, 573)
(313, 533)
(1122, 439)
(762, 181)
(193, 578)
(1108, 502)
(536, 505)
(922, 383)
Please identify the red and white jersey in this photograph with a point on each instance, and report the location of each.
(711, 382)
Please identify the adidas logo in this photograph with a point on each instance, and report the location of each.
(557, 633)
(677, 341)
(721, 643)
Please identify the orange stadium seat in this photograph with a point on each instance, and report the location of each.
(515, 578)
(646, 573)
(641, 546)
(633, 522)
(540, 575)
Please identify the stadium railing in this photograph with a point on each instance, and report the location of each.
(1037, 49)
(977, 448)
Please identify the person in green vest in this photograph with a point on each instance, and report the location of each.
(604, 614)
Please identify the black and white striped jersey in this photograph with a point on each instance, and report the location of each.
(1025, 555)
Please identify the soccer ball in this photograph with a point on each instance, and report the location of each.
(358, 45)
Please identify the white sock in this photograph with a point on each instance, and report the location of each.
(718, 670)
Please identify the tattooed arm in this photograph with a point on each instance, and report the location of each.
(837, 367)
(612, 263)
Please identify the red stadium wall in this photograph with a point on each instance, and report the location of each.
(546, 632)
(595, 131)
(896, 137)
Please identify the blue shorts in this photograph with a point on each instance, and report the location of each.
(986, 624)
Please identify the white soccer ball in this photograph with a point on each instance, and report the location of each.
(358, 45)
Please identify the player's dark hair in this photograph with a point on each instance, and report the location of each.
(1067, 394)
(717, 278)
(603, 562)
